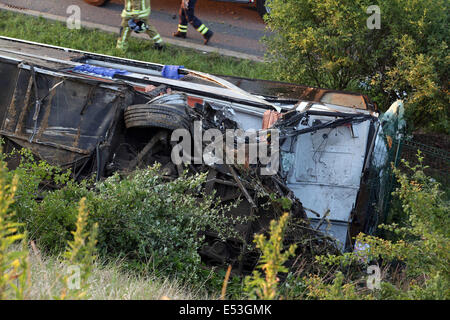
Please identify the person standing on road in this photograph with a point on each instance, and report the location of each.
(135, 17)
(187, 16)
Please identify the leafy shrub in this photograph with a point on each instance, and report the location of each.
(142, 217)
(161, 222)
(52, 220)
(337, 290)
(328, 44)
(33, 179)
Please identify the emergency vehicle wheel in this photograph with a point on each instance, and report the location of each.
(96, 2)
(262, 7)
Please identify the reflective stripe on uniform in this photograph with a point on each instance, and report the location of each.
(125, 34)
(136, 9)
(122, 41)
(182, 28)
(144, 14)
(157, 38)
(121, 45)
(202, 29)
(135, 13)
(199, 29)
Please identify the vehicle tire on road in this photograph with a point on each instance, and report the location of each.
(262, 7)
(96, 2)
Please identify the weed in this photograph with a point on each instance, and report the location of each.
(13, 264)
(272, 259)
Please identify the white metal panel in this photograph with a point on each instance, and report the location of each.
(327, 169)
(339, 200)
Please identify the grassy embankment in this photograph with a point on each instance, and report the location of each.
(56, 33)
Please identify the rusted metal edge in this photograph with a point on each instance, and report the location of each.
(49, 144)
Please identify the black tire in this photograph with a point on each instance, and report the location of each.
(156, 116)
(96, 2)
(262, 8)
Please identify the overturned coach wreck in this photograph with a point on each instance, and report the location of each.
(98, 114)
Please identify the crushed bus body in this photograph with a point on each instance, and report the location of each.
(97, 114)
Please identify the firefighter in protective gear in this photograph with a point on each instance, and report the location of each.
(187, 16)
(135, 17)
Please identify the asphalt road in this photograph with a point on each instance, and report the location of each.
(237, 27)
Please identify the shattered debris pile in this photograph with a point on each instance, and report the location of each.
(253, 197)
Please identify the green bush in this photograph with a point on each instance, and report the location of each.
(47, 215)
(142, 217)
(52, 220)
(328, 44)
(160, 222)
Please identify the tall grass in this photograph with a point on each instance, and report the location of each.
(107, 281)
